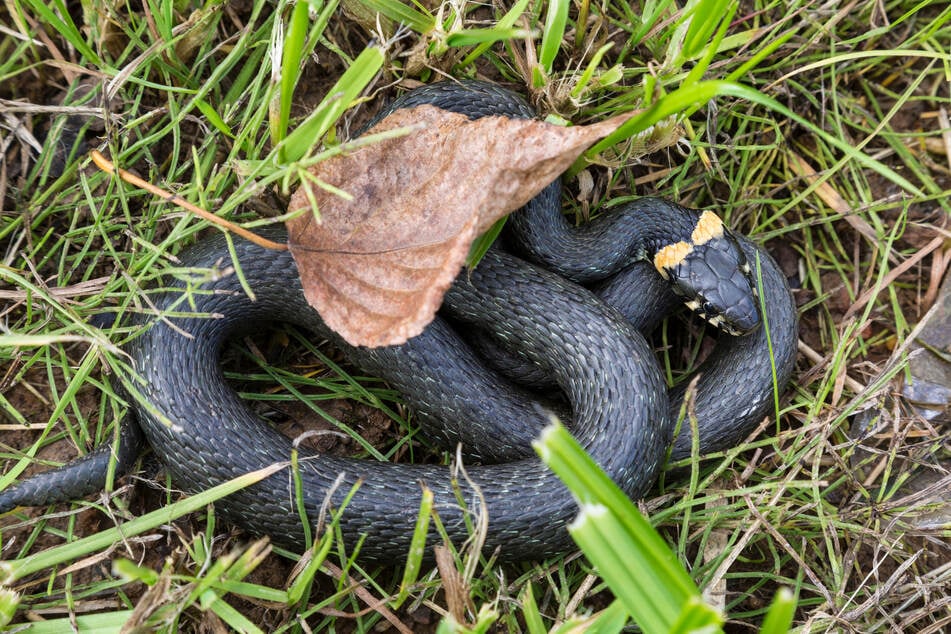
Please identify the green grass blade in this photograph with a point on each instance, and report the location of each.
(100, 623)
(301, 587)
(647, 17)
(706, 16)
(585, 78)
(481, 245)
(507, 21)
(706, 54)
(602, 537)
(682, 99)
(417, 546)
(10, 571)
(610, 620)
(781, 612)
(469, 37)
(232, 617)
(292, 52)
(61, 21)
(533, 619)
(402, 14)
(556, 19)
(212, 115)
(300, 142)
(698, 618)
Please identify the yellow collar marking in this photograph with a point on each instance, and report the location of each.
(670, 256)
(709, 226)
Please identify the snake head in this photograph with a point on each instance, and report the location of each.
(712, 275)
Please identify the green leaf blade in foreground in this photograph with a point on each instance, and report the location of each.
(600, 535)
(630, 555)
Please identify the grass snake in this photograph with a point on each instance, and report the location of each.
(620, 409)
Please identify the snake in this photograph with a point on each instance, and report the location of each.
(578, 325)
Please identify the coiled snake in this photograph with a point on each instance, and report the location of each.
(620, 409)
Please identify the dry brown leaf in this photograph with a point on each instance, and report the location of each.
(376, 267)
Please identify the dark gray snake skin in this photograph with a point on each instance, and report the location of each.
(600, 363)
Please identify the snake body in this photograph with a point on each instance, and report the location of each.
(619, 407)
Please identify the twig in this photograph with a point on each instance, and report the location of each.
(106, 165)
